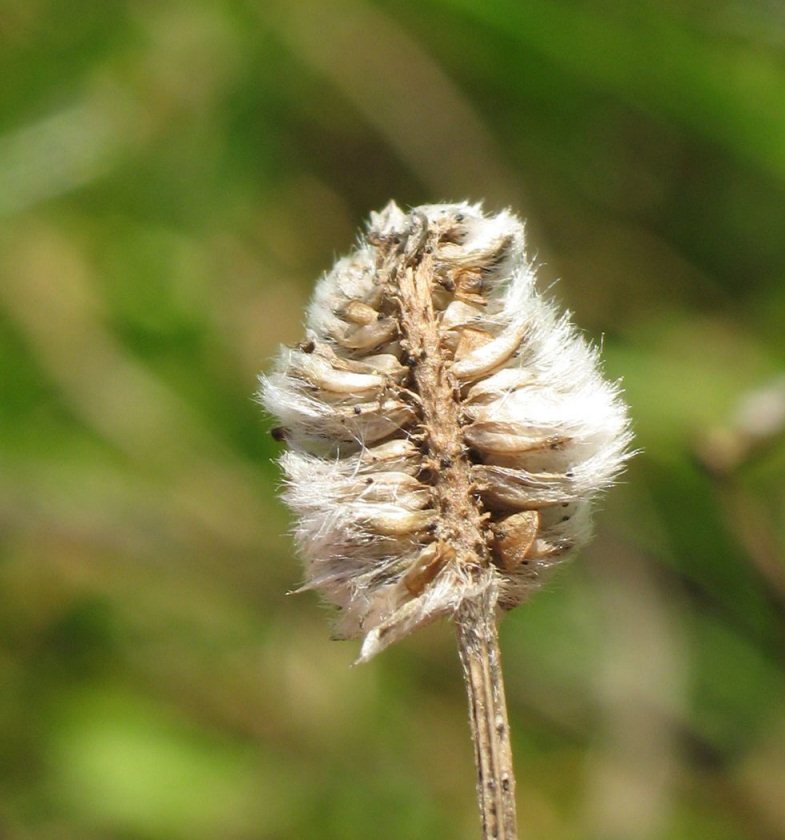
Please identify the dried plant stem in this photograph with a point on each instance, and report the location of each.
(461, 529)
(478, 645)
(447, 430)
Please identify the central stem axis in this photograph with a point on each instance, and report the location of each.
(459, 525)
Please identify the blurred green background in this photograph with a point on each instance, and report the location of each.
(173, 178)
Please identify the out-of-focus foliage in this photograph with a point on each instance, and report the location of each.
(173, 176)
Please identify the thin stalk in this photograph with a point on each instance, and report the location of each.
(478, 646)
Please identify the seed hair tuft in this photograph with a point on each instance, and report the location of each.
(447, 427)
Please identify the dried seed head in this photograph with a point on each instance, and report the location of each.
(447, 428)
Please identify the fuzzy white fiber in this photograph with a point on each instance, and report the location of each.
(543, 430)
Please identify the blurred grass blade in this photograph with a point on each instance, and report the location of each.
(61, 152)
(720, 90)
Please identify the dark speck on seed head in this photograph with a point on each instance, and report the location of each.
(278, 433)
(357, 410)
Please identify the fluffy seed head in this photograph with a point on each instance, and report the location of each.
(447, 428)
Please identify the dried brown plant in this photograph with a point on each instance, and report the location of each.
(447, 430)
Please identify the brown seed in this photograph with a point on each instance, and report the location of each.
(469, 339)
(505, 489)
(382, 363)
(374, 421)
(504, 381)
(398, 488)
(318, 371)
(493, 437)
(369, 336)
(425, 568)
(398, 522)
(399, 454)
(490, 356)
(514, 537)
(468, 282)
(459, 314)
(360, 313)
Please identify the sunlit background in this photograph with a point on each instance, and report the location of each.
(173, 178)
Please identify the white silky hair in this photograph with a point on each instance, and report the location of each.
(543, 429)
